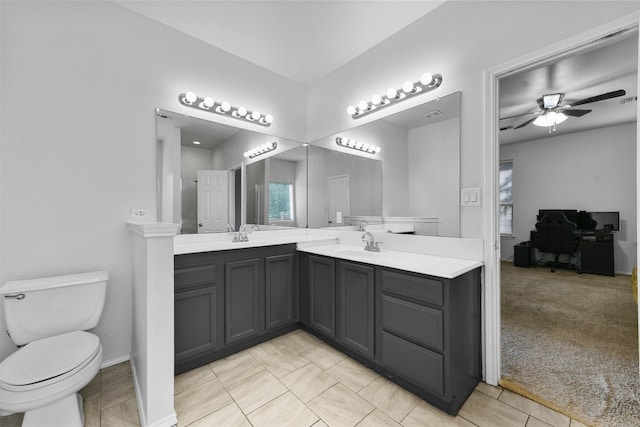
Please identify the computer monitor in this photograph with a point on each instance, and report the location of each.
(609, 221)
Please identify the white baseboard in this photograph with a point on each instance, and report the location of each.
(114, 361)
(168, 421)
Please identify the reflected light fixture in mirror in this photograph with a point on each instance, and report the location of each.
(427, 83)
(261, 149)
(191, 100)
(357, 145)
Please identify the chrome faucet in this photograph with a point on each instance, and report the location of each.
(371, 244)
(362, 225)
(241, 235)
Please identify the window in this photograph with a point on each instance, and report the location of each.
(280, 201)
(506, 198)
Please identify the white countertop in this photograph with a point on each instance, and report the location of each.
(445, 267)
(194, 243)
(327, 244)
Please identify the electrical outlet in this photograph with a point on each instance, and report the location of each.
(140, 214)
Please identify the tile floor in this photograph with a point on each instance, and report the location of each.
(297, 380)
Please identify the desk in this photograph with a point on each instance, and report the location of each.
(595, 249)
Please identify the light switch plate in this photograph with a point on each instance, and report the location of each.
(470, 197)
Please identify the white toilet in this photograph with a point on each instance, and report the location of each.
(48, 317)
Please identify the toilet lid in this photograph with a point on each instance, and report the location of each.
(47, 358)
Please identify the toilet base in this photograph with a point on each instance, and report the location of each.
(67, 412)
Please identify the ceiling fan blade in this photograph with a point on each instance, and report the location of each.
(520, 115)
(602, 97)
(575, 113)
(525, 123)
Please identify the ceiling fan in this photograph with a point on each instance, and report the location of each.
(551, 112)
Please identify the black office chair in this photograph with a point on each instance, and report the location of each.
(556, 235)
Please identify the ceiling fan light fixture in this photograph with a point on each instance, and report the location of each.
(551, 100)
(549, 119)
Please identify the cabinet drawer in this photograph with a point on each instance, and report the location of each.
(412, 286)
(413, 321)
(416, 364)
(195, 276)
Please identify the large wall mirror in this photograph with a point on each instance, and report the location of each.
(412, 185)
(206, 184)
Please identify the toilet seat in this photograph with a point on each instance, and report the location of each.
(47, 361)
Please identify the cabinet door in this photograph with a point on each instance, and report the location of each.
(243, 311)
(322, 295)
(196, 322)
(355, 307)
(279, 280)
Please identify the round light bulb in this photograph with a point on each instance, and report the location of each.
(426, 79)
(255, 115)
(242, 111)
(377, 149)
(351, 110)
(407, 87)
(351, 143)
(268, 119)
(376, 99)
(391, 93)
(208, 102)
(190, 97)
(363, 106)
(246, 154)
(365, 147)
(226, 106)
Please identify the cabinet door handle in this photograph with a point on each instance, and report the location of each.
(17, 296)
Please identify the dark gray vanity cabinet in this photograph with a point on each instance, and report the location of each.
(355, 317)
(420, 331)
(198, 301)
(428, 333)
(280, 307)
(321, 287)
(226, 301)
(244, 310)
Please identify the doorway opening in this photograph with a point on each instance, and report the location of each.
(542, 315)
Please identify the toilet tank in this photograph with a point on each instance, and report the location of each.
(40, 308)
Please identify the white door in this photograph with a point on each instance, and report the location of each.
(338, 196)
(213, 201)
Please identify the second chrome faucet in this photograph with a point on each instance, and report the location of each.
(371, 244)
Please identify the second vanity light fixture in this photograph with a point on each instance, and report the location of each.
(357, 145)
(261, 149)
(427, 82)
(190, 99)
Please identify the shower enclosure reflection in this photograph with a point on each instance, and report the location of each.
(203, 175)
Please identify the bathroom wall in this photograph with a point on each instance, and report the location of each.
(592, 171)
(460, 40)
(80, 83)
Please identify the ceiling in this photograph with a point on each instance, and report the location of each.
(599, 68)
(304, 41)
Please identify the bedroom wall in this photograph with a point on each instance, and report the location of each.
(593, 171)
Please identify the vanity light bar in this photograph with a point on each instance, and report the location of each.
(261, 149)
(190, 99)
(427, 83)
(357, 145)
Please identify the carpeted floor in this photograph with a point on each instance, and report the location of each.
(570, 342)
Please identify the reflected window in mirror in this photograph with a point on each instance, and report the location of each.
(281, 201)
